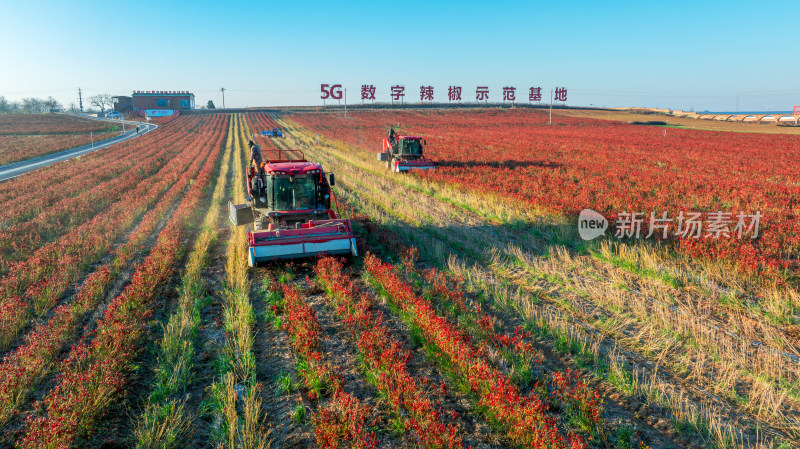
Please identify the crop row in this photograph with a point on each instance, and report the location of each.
(385, 359)
(34, 285)
(96, 370)
(165, 422)
(343, 419)
(49, 124)
(25, 137)
(75, 192)
(24, 367)
(611, 168)
(446, 294)
(101, 163)
(261, 121)
(21, 148)
(236, 394)
(523, 418)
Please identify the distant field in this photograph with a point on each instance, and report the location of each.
(15, 124)
(710, 125)
(26, 136)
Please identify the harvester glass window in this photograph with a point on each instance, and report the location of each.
(411, 147)
(297, 192)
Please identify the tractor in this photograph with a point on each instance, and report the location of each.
(403, 153)
(288, 203)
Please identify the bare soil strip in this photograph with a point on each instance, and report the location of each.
(275, 360)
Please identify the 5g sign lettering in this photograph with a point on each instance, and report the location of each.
(333, 91)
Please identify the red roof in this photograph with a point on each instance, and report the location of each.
(409, 137)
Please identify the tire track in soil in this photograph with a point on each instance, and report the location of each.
(210, 338)
(274, 357)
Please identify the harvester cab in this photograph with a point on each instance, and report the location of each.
(289, 208)
(274, 132)
(403, 153)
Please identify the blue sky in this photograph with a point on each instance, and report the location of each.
(677, 54)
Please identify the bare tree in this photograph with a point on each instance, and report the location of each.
(101, 101)
(33, 106)
(53, 105)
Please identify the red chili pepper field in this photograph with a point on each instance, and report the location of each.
(479, 312)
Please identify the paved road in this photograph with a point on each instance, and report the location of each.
(18, 168)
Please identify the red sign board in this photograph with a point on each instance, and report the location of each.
(797, 109)
(426, 93)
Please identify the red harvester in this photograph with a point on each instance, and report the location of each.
(402, 153)
(289, 205)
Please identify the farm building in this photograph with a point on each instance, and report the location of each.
(122, 104)
(161, 103)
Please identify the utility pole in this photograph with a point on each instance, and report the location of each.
(345, 102)
(551, 106)
(223, 97)
(80, 98)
